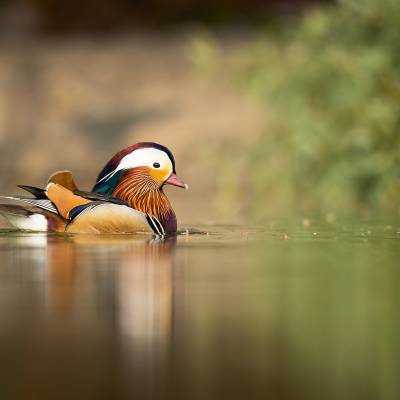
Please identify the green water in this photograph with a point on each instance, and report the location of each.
(286, 311)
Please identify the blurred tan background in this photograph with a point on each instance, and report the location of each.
(71, 103)
(81, 80)
(78, 83)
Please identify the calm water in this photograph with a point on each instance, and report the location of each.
(289, 311)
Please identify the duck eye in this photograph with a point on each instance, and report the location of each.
(156, 165)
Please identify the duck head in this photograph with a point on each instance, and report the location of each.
(137, 175)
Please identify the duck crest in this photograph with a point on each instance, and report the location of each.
(142, 193)
(113, 163)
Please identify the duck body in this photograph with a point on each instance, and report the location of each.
(127, 197)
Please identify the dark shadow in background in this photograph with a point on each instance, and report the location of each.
(114, 15)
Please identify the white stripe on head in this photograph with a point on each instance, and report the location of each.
(145, 157)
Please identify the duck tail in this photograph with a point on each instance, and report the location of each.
(37, 192)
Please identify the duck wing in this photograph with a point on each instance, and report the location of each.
(44, 204)
(69, 209)
(100, 197)
(65, 180)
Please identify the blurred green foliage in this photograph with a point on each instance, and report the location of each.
(330, 83)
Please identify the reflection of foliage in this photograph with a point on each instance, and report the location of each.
(331, 83)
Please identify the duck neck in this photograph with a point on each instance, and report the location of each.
(140, 191)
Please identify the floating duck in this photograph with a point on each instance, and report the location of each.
(127, 197)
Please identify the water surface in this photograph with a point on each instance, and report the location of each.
(289, 310)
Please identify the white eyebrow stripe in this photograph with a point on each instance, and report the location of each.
(144, 157)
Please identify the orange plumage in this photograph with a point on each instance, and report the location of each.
(127, 197)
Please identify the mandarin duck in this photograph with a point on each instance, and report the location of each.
(127, 197)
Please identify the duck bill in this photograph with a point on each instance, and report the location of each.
(175, 181)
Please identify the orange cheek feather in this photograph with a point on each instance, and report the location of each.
(160, 175)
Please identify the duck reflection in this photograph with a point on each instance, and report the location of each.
(119, 287)
(144, 292)
(134, 276)
(136, 273)
(60, 277)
